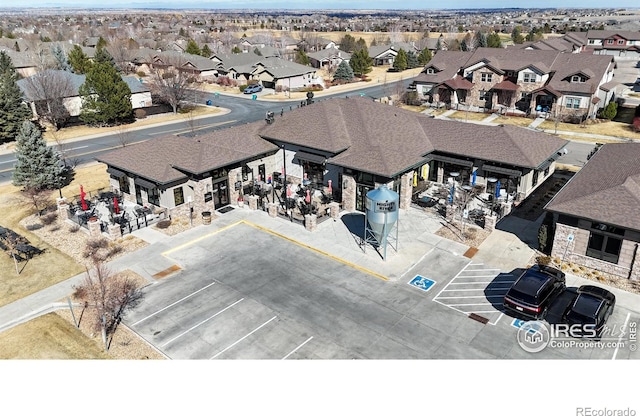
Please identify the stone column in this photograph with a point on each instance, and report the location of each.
(506, 208)
(232, 179)
(253, 202)
(490, 222)
(272, 209)
(310, 222)
(63, 212)
(440, 176)
(114, 231)
(94, 228)
(348, 193)
(334, 210)
(406, 190)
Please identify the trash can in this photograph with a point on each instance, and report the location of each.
(206, 217)
(209, 102)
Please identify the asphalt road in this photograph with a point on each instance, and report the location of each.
(242, 110)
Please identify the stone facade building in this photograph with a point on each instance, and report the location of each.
(598, 213)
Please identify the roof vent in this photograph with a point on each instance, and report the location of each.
(269, 117)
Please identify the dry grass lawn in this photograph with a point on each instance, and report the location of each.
(52, 266)
(57, 339)
(468, 115)
(513, 121)
(607, 128)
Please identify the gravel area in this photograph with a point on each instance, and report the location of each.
(71, 240)
(180, 224)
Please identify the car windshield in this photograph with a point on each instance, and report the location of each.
(586, 305)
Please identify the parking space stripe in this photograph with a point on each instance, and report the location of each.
(201, 323)
(626, 321)
(297, 348)
(243, 338)
(173, 304)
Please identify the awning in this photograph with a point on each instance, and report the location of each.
(116, 173)
(501, 170)
(452, 160)
(310, 157)
(144, 183)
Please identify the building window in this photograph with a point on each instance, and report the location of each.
(604, 247)
(577, 78)
(153, 196)
(592, 41)
(430, 71)
(483, 95)
(546, 171)
(610, 41)
(534, 180)
(572, 102)
(528, 77)
(620, 42)
(178, 196)
(486, 76)
(123, 184)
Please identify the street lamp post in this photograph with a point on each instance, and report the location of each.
(454, 175)
(467, 191)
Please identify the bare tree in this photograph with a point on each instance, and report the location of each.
(110, 294)
(48, 90)
(124, 135)
(119, 50)
(170, 82)
(40, 198)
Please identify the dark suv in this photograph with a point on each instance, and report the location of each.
(531, 295)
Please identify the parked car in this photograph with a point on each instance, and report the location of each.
(589, 311)
(253, 88)
(532, 294)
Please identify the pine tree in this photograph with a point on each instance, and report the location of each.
(78, 60)
(60, 58)
(302, 58)
(206, 51)
(13, 111)
(37, 166)
(106, 97)
(400, 61)
(412, 60)
(480, 40)
(425, 56)
(493, 41)
(344, 72)
(192, 47)
(361, 62)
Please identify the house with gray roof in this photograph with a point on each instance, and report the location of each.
(386, 54)
(570, 86)
(328, 57)
(597, 213)
(273, 72)
(354, 143)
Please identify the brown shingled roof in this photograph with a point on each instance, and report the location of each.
(606, 189)
(165, 159)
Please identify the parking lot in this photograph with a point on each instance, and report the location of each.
(248, 293)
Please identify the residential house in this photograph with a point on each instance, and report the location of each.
(140, 93)
(276, 72)
(572, 42)
(23, 62)
(328, 58)
(196, 65)
(354, 142)
(386, 54)
(614, 42)
(571, 86)
(598, 213)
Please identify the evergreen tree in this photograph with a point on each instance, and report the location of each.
(360, 44)
(400, 61)
(60, 59)
(361, 62)
(302, 58)
(425, 56)
(13, 111)
(463, 45)
(439, 44)
(206, 51)
(348, 43)
(412, 60)
(516, 35)
(106, 97)
(236, 50)
(480, 40)
(192, 47)
(344, 72)
(257, 51)
(37, 166)
(101, 43)
(493, 41)
(79, 60)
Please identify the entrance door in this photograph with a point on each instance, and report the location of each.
(220, 194)
(261, 173)
(138, 195)
(361, 196)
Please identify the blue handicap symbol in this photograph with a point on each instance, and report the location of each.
(518, 323)
(422, 283)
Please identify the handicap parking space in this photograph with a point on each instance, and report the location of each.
(477, 290)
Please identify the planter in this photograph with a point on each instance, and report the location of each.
(93, 219)
(206, 217)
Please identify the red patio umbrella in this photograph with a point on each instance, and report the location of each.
(330, 190)
(307, 198)
(82, 201)
(288, 191)
(116, 208)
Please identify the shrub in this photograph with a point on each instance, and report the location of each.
(163, 224)
(636, 124)
(610, 111)
(543, 260)
(97, 243)
(242, 88)
(49, 219)
(116, 249)
(141, 74)
(74, 228)
(140, 113)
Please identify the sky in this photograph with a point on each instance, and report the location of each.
(326, 4)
